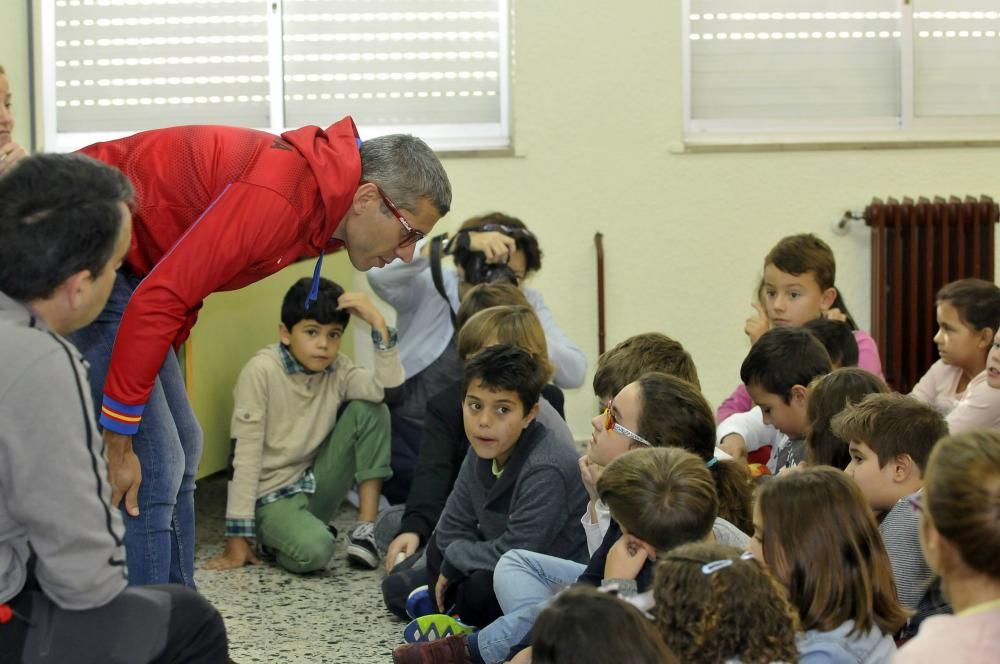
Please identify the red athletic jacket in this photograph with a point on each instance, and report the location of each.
(217, 208)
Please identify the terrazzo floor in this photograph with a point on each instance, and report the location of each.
(275, 617)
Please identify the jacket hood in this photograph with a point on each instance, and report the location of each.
(335, 160)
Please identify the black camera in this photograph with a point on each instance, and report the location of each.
(477, 270)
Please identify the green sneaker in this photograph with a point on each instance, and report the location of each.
(433, 627)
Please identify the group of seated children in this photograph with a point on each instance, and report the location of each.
(817, 516)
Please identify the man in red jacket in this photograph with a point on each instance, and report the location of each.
(219, 208)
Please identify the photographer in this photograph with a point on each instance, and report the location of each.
(491, 247)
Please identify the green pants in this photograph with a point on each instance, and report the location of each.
(357, 450)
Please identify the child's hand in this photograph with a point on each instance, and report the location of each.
(625, 559)
(358, 304)
(439, 588)
(496, 246)
(757, 324)
(406, 544)
(590, 472)
(237, 553)
(835, 314)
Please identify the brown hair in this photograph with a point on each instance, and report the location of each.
(821, 542)
(828, 396)
(891, 425)
(566, 631)
(665, 496)
(515, 325)
(798, 254)
(976, 300)
(737, 612)
(638, 354)
(484, 296)
(674, 413)
(962, 496)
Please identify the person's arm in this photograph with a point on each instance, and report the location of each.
(568, 359)
(226, 240)
(868, 357)
(743, 433)
(248, 430)
(53, 481)
(979, 408)
(458, 520)
(930, 384)
(737, 402)
(529, 525)
(443, 433)
(362, 383)
(397, 282)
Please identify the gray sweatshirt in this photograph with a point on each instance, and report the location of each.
(535, 504)
(54, 493)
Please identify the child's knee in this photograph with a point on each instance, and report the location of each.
(308, 555)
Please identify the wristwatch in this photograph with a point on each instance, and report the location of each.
(382, 344)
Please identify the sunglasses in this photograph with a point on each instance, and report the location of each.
(410, 234)
(611, 425)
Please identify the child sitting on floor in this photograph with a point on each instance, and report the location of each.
(814, 530)
(968, 315)
(891, 437)
(717, 604)
(296, 454)
(798, 286)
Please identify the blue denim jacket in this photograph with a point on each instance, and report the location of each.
(838, 646)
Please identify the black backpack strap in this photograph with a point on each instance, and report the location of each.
(437, 251)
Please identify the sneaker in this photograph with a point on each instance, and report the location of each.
(420, 603)
(433, 627)
(449, 650)
(361, 548)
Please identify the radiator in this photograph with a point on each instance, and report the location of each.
(917, 247)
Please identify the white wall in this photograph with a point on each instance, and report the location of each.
(597, 109)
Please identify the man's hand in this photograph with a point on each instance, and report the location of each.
(358, 304)
(757, 324)
(439, 588)
(406, 544)
(124, 472)
(496, 246)
(625, 559)
(237, 553)
(10, 154)
(834, 314)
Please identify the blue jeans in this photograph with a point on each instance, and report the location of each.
(524, 583)
(159, 543)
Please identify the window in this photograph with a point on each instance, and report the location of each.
(807, 66)
(434, 68)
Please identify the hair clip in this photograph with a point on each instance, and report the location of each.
(716, 565)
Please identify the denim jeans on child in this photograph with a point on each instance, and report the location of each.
(524, 583)
(159, 543)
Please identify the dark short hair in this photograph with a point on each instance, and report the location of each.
(504, 367)
(783, 358)
(976, 300)
(639, 354)
(828, 396)
(323, 310)
(838, 339)
(805, 252)
(892, 424)
(59, 215)
(528, 244)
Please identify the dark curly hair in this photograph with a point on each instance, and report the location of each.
(738, 611)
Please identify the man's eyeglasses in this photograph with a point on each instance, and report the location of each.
(611, 425)
(411, 235)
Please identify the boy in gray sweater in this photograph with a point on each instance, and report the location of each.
(519, 486)
(64, 229)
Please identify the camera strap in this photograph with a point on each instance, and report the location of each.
(437, 276)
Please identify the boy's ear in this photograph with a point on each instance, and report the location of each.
(904, 468)
(284, 334)
(829, 297)
(530, 416)
(985, 337)
(798, 395)
(74, 288)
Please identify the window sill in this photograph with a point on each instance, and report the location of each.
(846, 141)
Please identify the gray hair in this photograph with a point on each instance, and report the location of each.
(406, 169)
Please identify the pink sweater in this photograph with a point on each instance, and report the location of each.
(977, 407)
(962, 639)
(740, 402)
